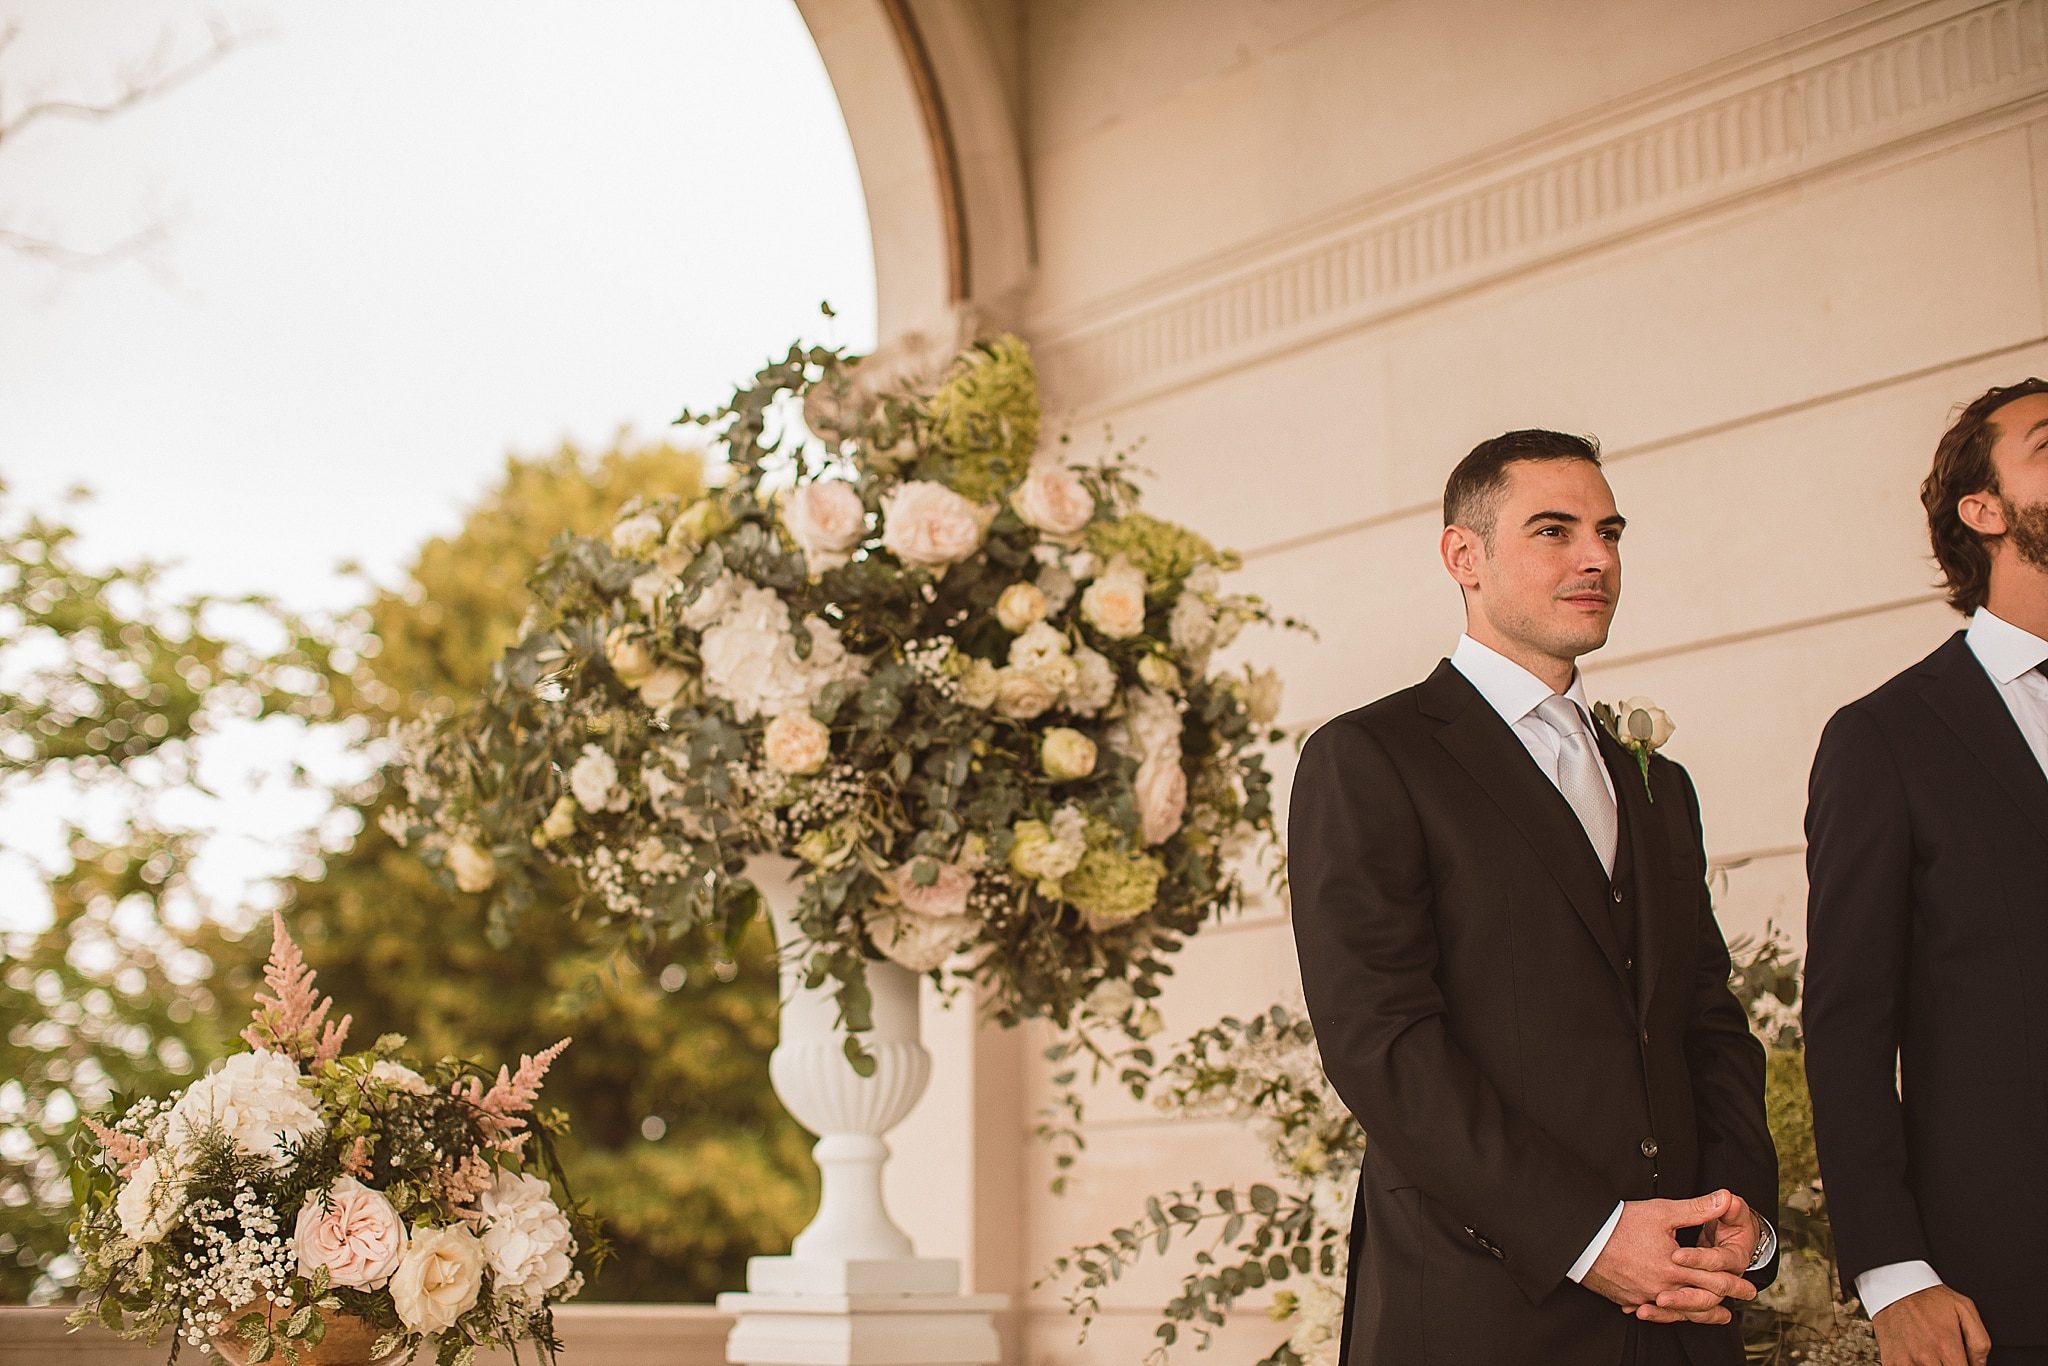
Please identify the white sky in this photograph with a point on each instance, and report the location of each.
(405, 237)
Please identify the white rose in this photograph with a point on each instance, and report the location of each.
(919, 942)
(796, 742)
(152, 1199)
(475, 870)
(1066, 754)
(928, 524)
(1115, 603)
(1020, 606)
(1040, 643)
(1053, 499)
(627, 652)
(1094, 683)
(637, 537)
(258, 1099)
(1659, 723)
(1022, 694)
(827, 521)
(713, 600)
(978, 686)
(1162, 792)
(438, 1278)
(1262, 697)
(594, 781)
(527, 1241)
(1158, 671)
(398, 1076)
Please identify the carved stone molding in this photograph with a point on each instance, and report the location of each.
(1875, 83)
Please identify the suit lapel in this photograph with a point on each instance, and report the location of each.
(1488, 749)
(1968, 702)
(1652, 863)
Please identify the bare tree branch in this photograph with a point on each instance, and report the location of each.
(155, 78)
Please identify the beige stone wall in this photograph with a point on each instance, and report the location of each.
(1313, 250)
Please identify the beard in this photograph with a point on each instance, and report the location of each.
(2027, 529)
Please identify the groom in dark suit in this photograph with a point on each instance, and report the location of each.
(1927, 932)
(1516, 979)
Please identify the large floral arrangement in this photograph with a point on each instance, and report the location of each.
(298, 1191)
(968, 685)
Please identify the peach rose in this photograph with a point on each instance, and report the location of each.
(1053, 499)
(1115, 603)
(945, 894)
(928, 524)
(827, 521)
(796, 742)
(357, 1236)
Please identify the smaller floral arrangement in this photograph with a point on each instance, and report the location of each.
(1640, 726)
(1292, 1237)
(297, 1195)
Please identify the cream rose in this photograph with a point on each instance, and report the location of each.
(152, 1199)
(827, 521)
(626, 650)
(1053, 499)
(1114, 603)
(1020, 606)
(1655, 720)
(356, 1235)
(664, 686)
(979, 684)
(258, 1099)
(526, 1238)
(1162, 792)
(637, 537)
(796, 742)
(398, 1076)
(1022, 694)
(1066, 754)
(928, 525)
(945, 893)
(475, 870)
(438, 1278)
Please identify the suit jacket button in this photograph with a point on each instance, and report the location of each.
(1617, 896)
(1498, 1255)
(1649, 1147)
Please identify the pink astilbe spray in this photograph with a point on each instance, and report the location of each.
(127, 1151)
(294, 1021)
(501, 1111)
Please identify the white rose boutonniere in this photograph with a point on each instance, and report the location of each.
(1640, 726)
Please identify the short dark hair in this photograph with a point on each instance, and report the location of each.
(1962, 466)
(1472, 493)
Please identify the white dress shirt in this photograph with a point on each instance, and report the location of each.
(2011, 657)
(1515, 693)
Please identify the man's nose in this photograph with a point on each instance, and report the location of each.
(1600, 557)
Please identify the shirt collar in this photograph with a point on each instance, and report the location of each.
(2005, 651)
(1509, 688)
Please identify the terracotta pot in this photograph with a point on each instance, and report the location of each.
(348, 1341)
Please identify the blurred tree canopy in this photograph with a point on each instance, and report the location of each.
(678, 1142)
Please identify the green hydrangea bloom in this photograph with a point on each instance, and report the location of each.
(1111, 884)
(984, 421)
(1166, 551)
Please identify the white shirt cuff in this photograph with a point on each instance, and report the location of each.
(1765, 1246)
(1883, 1286)
(1596, 1247)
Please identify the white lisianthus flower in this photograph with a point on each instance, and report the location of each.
(594, 782)
(526, 1238)
(258, 1099)
(1159, 671)
(1021, 605)
(1040, 643)
(1048, 850)
(1094, 683)
(1190, 626)
(1083, 565)
(438, 1279)
(1066, 754)
(1053, 499)
(1655, 720)
(1111, 999)
(1331, 1198)
(796, 742)
(637, 537)
(1058, 586)
(713, 600)
(398, 1076)
(1059, 673)
(1023, 694)
(651, 589)
(928, 525)
(826, 520)
(152, 1199)
(978, 685)
(1115, 603)
(1162, 793)
(1150, 723)
(1319, 1314)
(627, 651)
(474, 868)
(1262, 697)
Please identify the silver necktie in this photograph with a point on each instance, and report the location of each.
(1578, 775)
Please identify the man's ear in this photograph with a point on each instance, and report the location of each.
(1982, 513)
(1462, 550)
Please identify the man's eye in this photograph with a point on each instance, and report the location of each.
(1613, 536)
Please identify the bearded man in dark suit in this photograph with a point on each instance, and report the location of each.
(1926, 1013)
(1516, 979)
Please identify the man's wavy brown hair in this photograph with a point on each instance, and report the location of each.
(1962, 466)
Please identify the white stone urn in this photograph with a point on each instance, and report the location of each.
(852, 1245)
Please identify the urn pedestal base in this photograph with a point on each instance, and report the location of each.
(863, 1330)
